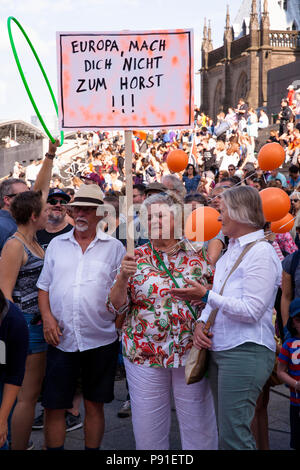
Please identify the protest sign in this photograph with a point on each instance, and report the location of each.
(125, 80)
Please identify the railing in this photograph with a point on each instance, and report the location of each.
(215, 56)
(240, 45)
(290, 39)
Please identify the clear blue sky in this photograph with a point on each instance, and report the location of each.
(41, 19)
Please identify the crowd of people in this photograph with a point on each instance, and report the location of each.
(83, 306)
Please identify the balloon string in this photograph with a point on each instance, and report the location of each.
(287, 223)
(236, 184)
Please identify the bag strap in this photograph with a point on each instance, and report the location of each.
(163, 265)
(213, 314)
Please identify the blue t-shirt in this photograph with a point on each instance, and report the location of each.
(8, 227)
(280, 177)
(14, 337)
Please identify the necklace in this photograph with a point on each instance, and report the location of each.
(174, 249)
(34, 243)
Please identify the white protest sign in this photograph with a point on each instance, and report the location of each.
(125, 80)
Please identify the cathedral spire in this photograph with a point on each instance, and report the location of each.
(227, 18)
(210, 44)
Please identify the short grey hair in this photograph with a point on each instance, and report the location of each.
(177, 185)
(170, 199)
(244, 205)
(295, 194)
(6, 188)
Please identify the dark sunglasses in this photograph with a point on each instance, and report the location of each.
(295, 200)
(11, 195)
(53, 202)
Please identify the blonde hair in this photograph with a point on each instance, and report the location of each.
(244, 205)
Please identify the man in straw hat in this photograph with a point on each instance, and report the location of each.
(78, 273)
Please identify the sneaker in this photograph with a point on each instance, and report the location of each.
(30, 445)
(125, 410)
(38, 422)
(73, 422)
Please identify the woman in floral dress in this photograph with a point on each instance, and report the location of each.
(157, 333)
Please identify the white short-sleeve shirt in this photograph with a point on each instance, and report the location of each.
(78, 284)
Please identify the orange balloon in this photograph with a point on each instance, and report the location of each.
(202, 224)
(275, 202)
(283, 225)
(177, 160)
(271, 156)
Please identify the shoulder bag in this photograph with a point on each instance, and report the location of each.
(197, 361)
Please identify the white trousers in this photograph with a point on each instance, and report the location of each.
(150, 397)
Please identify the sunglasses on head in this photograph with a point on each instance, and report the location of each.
(53, 202)
(11, 195)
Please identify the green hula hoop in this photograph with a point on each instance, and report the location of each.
(9, 20)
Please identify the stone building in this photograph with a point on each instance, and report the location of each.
(264, 36)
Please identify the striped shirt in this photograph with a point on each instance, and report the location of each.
(290, 355)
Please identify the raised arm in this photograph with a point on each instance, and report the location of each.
(42, 182)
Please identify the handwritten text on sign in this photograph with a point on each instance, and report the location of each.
(125, 80)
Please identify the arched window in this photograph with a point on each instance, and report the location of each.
(218, 99)
(242, 87)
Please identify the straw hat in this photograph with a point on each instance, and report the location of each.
(88, 195)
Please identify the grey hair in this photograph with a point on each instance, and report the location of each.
(6, 188)
(170, 199)
(295, 193)
(244, 205)
(177, 185)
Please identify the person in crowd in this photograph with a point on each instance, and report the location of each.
(242, 110)
(20, 265)
(10, 187)
(82, 338)
(57, 224)
(295, 211)
(252, 127)
(8, 190)
(14, 346)
(294, 174)
(297, 106)
(284, 116)
(263, 120)
(288, 370)
(174, 185)
(213, 247)
(57, 217)
(157, 333)
(276, 175)
(191, 178)
(243, 330)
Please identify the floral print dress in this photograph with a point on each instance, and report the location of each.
(157, 331)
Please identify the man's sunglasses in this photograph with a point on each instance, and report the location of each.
(53, 202)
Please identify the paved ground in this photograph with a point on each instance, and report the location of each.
(119, 434)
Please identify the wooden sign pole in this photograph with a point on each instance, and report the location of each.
(129, 193)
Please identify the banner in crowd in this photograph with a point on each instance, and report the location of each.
(125, 80)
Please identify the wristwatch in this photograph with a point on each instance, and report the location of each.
(50, 156)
